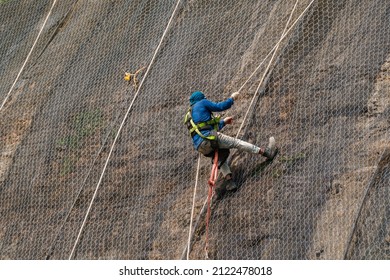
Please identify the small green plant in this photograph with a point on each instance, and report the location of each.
(69, 141)
(293, 158)
(86, 123)
(83, 125)
(277, 173)
(66, 166)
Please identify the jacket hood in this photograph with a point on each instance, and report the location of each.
(196, 96)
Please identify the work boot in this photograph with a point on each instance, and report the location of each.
(230, 184)
(271, 150)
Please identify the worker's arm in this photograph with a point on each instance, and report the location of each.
(225, 121)
(220, 106)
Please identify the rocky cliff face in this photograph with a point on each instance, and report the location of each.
(325, 98)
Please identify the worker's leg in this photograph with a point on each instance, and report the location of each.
(206, 148)
(227, 142)
(225, 169)
(227, 174)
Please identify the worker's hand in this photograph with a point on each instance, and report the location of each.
(228, 120)
(235, 95)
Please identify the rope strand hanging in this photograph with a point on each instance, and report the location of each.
(211, 182)
(28, 56)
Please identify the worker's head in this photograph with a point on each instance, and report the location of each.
(196, 96)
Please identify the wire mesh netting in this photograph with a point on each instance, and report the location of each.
(323, 92)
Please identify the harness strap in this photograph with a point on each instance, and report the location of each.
(197, 128)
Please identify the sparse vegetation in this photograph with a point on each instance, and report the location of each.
(292, 159)
(313, 201)
(83, 125)
(67, 166)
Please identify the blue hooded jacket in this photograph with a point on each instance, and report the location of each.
(202, 110)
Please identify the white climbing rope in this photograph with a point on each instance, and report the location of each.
(120, 128)
(280, 40)
(272, 51)
(275, 49)
(193, 208)
(28, 56)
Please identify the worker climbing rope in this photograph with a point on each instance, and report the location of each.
(204, 129)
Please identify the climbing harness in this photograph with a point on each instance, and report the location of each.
(195, 128)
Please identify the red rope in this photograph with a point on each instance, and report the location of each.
(211, 182)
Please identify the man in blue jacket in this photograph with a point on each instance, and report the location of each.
(204, 129)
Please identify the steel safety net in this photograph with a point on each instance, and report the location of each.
(94, 166)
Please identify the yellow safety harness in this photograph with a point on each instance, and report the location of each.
(195, 128)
